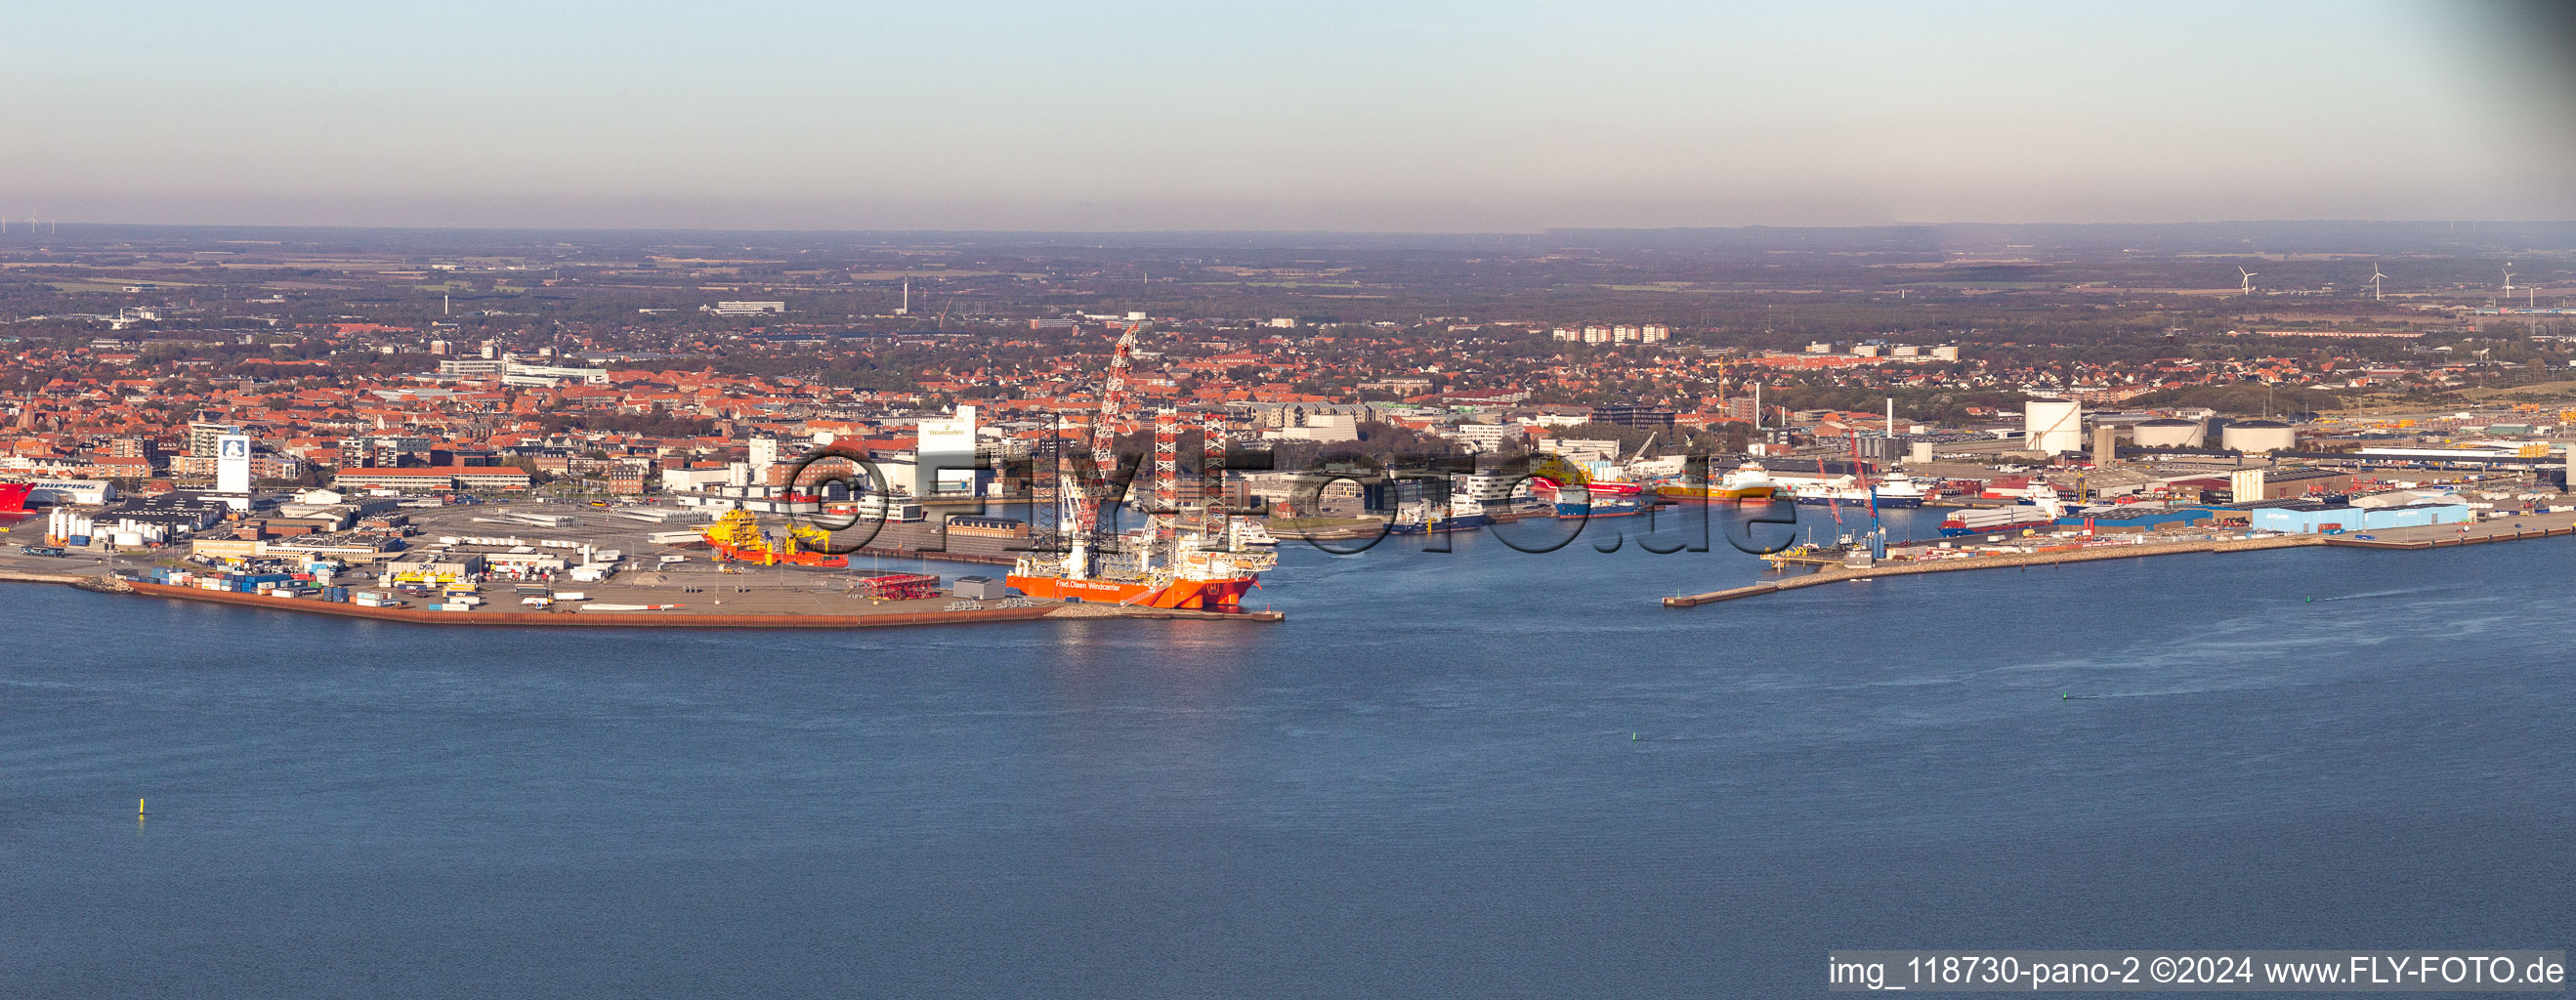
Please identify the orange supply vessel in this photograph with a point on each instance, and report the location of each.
(1181, 562)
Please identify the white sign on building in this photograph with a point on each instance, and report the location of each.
(232, 464)
(946, 455)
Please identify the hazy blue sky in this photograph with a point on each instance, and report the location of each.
(1490, 116)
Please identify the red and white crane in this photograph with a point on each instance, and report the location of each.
(1087, 486)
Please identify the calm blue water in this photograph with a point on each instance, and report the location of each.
(1424, 784)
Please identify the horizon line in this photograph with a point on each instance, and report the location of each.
(1846, 227)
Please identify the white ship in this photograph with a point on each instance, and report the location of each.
(1245, 531)
(1896, 490)
(1423, 515)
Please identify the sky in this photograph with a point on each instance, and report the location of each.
(1111, 115)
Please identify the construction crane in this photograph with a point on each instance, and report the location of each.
(1823, 479)
(1643, 448)
(1167, 481)
(1203, 572)
(1101, 475)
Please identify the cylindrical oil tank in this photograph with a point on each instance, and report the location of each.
(2167, 432)
(2053, 425)
(2256, 437)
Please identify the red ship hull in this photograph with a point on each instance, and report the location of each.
(1599, 488)
(1204, 595)
(13, 497)
(814, 559)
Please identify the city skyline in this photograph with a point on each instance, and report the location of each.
(1426, 118)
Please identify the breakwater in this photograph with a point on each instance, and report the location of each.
(21, 575)
(1837, 574)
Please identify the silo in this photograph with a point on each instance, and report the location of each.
(2053, 425)
(2167, 432)
(2258, 437)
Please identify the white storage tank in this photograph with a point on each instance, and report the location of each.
(2167, 432)
(2053, 425)
(2258, 437)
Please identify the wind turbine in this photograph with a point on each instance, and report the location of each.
(2249, 278)
(2508, 280)
(2374, 280)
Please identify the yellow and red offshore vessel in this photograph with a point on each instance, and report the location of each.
(737, 537)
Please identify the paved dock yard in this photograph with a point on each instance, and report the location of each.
(2503, 529)
(708, 592)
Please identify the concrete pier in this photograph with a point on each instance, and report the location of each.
(22, 576)
(1838, 575)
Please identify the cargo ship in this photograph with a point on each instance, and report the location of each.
(13, 497)
(1989, 520)
(2040, 507)
(1897, 490)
